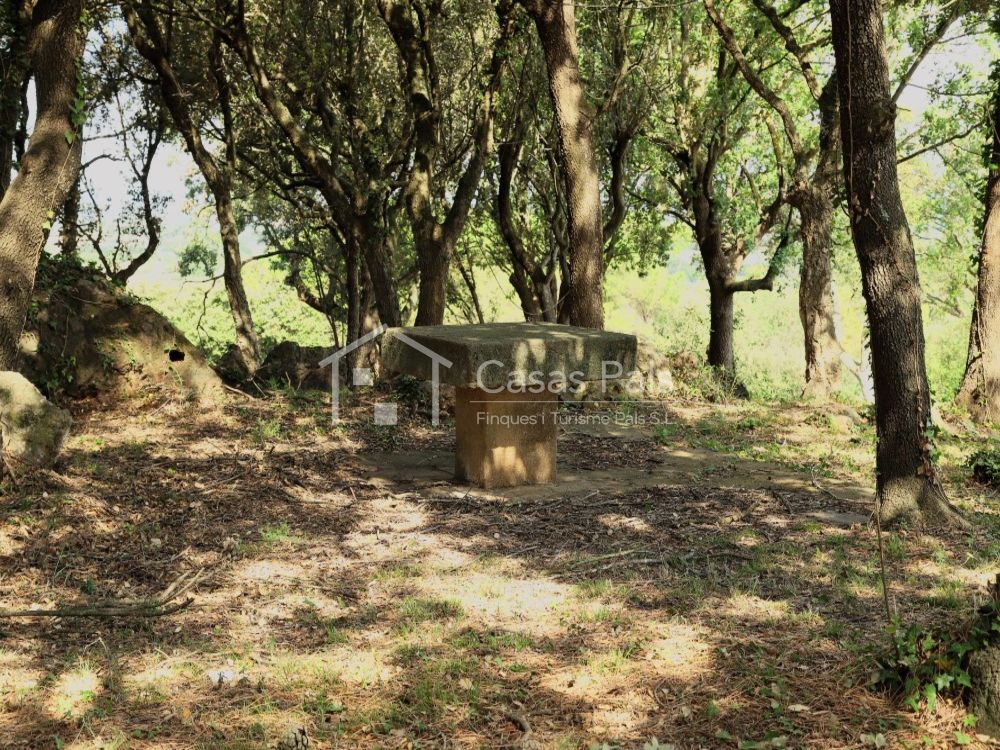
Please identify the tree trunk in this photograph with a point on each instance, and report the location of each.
(980, 390)
(377, 260)
(148, 39)
(433, 262)
(815, 203)
(720, 272)
(816, 309)
(556, 24)
(49, 166)
(232, 276)
(69, 229)
(434, 241)
(720, 338)
(906, 481)
(13, 73)
(352, 263)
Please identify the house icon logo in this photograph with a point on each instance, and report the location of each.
(385, 413)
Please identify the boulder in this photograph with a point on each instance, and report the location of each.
(289, 363)
(86, 337)
(32, 428)
(652, 378)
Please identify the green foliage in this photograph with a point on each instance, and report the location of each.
(201, 311)
(924, 664)
(985, 465)
(197, 258)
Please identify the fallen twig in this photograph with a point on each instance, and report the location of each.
(165, 604)
(598, 558)
(239, 392)
(520, 721)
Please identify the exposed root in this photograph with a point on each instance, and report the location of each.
(919, 500)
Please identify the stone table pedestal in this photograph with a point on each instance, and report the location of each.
(505, 439)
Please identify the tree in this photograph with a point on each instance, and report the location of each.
(555, 21)
(527, 188)
(151, 42)
(811, 190)
(980, 389)
(412, 28)
(49, 166)
(355, 201)
(720, 174)
(906, 481)
(141, 133)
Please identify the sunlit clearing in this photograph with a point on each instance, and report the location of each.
(753, 608)
(499, 601)
(359, 667)
(74, 692)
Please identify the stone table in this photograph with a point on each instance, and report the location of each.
(507, 378)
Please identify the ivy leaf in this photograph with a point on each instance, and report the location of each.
(930, 693)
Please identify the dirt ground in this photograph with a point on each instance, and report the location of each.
(708, 579)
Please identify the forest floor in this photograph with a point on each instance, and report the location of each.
(710, 581)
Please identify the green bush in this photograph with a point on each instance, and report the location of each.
(985, 465)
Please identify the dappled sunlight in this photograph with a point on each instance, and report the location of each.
(527, 604)
(360, 666)
(383, 610)
(747, 607)
(617, 522)
(17, 682)
(154, 672)
(270, 570)
(73, 692)
(679, 651)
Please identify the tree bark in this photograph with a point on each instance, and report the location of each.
(816, 308)
(906, 481)
(48, 168)
(815, 204)
(13, 74)
(720, 338)
(555, 21)
(148, 39)
(69, 224)
(980, 389)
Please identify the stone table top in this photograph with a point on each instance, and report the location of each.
(497, 354)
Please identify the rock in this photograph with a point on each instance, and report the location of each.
(230, 365)
(289, 363)
(984, 697)
(446, 398)
(32, 428)
(227, 677)
(841, 424)
(294, 739)
(86, 337)
(652, 378)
